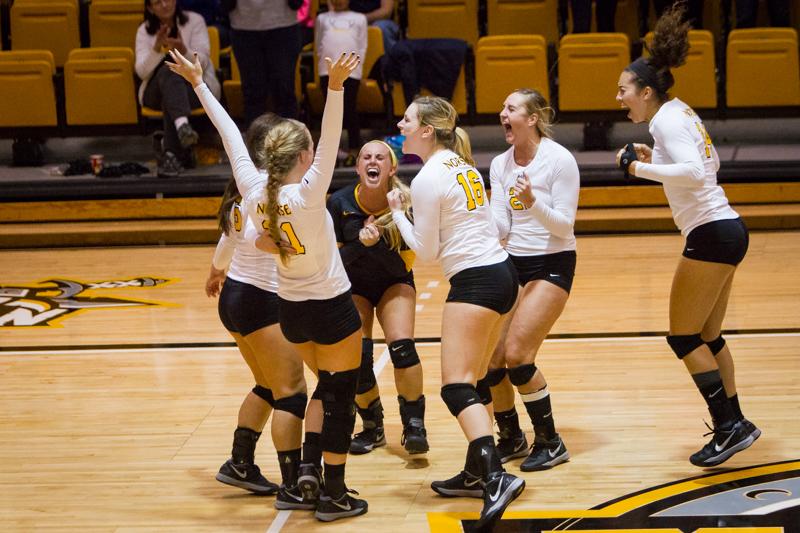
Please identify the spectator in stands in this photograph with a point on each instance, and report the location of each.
(684, 160)
(746, 11)
(212, 13)
(582, 15)
(336, 32)
(266, 42)
(694, 10)
(380, 13)
(306, 20)
(167, 26)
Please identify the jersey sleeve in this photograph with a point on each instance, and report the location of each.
(564, 189)
(687, 169)
(499, 202)
(315, 183)
(224, 252)
(423, 235)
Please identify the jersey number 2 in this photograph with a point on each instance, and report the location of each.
(473, 188)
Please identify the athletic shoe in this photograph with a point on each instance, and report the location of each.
(502, 488)
(169, 166)
(751, 429)
(309, 480)
(246, 476)
(292, 498)
(187, 136)
(512, 447)
(462, 484)
(367, 440)
(415, 437)
(724, 444)
(545, 454)
(329, 509)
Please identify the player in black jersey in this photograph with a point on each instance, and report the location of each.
(378, 264)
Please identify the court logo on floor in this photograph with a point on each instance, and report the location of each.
(48, 302)
(760, 499)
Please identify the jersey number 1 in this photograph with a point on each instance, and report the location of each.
(473, 188)
(290, 234)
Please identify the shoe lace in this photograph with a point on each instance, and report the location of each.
(715, 431)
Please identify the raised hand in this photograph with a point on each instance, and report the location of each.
(396, 199)
(191, 72)
(176, 43)
(523, 191)
(161, 38)
(341, 69)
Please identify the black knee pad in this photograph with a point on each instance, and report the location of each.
(265, 394)
(484, 390)
(366, 376)
(403, 353)
(716, 345)
(520, 375)
(683, 345)
(337, 391)
(459, 396)
(295, 404)
(495, 375)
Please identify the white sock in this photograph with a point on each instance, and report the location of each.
(180, 121)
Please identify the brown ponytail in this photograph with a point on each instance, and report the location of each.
(230, 197)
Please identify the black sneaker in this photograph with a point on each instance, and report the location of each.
(329, 509)
(545, 454)
(246, 476)
(187, 136)
(309, 481)
(724, 444)
(751, 429)
(502, 488)
(511, 447)
(367, 440)
(415, 437)
(462, 484)
(169, 166)
(292, 498)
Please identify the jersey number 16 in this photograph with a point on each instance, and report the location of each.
(473, 188)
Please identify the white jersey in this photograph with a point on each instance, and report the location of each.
(548, 226)
(452, 219)
(686, 162)
(237, 253)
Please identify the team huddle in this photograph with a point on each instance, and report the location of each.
(301, 278)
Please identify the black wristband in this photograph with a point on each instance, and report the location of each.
(627, 157)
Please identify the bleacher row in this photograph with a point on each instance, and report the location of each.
(48, 81)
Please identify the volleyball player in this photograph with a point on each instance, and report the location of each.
(684, 160)
(379, 264)
(535, 186)
(453, 224)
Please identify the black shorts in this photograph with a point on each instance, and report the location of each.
(319, 321)
(494, 286)
(244, 308)
(721, 241)
(557, 268)
(375, 287)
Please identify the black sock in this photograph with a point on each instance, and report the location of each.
(334, 480)
(508, 423)
(289, 461)
(541, 413)
(737, 411)
(312, 449)
(409, 410)
(711, 388)
(367, 347)
(244, 445)
(483, 453)
(372, 415)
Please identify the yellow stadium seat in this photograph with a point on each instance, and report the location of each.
(589, 66)
(502, 67)
(696, 81)
(762, 73)
(114, 22)
(370, 96)
(523, 17)
(456, 19)
(459, 99)
(94, 75)
(37, 25)
(756, 34)
(27, 94)
(213, 41)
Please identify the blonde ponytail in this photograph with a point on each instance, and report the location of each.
(442, 116)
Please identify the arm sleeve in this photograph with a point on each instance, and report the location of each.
(147, 59)
(245, 172)
(687, 169)
(315, 183)
(423, 235)
(499, 203)
(224, 252)
(564, 189)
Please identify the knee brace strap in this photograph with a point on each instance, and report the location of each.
(265, 394)
(295, 404)
(484, 390)
(683, 345)
(337, 391)
(520, 375)
(403, 353)
(459, 396)
(716, 345)
(495, 375)
(366, 376)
